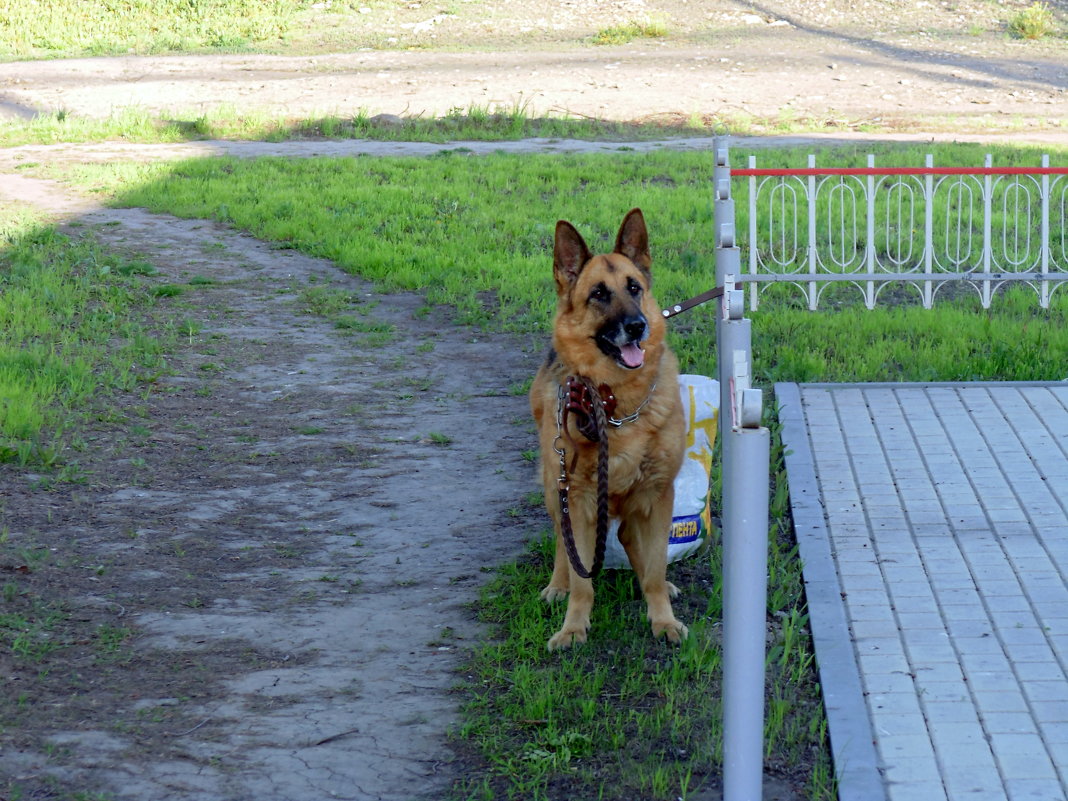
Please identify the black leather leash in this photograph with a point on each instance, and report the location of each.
(696, 300)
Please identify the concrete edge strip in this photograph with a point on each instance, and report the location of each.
(856, 763)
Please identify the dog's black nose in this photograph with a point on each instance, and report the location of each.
(635, 328)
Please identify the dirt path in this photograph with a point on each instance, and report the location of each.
(294, 522)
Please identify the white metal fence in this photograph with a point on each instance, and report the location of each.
(926, 227)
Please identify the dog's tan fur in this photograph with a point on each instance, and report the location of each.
(644, 455)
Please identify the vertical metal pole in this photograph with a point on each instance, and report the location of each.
(754, 250)
(869, 250)
(746, 454)
(811, 287)
(928, 232)
(1044, 244)
(745, 568)
(745, 556)
(988, 245)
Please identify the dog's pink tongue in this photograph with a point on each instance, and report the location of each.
(633, 356)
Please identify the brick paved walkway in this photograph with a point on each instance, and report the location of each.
(933, 524)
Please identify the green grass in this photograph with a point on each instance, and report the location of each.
(473, 123)
(68, 333)
(624, 716)
(108, 27)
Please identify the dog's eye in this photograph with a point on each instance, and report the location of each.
(633, 287)
(600, 293)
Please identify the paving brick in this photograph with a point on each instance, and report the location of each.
(1021, 636)
(872, 611)
(932, 654)
(892, 684)
(1054, 732)
(975, 787)
(978, 645)
(943, 691)
(964, 611)
(869, 629)
(1031, 653)
(982, 681)
(911, 791)
(916, 772)
(950, 712)
(1052, 712)
(985, 662)
(895, 748)
(1034, 790)
(960, 629)
(1010, 723)
(1042, 692)
(882, 662)
(1040, 671)
(1008, 700)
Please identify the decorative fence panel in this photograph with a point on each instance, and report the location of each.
(985, 227)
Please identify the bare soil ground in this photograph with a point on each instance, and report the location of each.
(908, 65)
(293, 551)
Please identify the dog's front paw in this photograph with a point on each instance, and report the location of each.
(673, 630)
(552, 593)
(565, 638)
(673, 591)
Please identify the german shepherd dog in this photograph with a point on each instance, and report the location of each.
(609, 330)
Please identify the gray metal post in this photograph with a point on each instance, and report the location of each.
(728, 264)
(745, 451)
(745, 559)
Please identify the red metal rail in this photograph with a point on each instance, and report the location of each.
(805, 171)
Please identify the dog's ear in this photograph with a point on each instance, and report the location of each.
(633, 241)
(570, 254)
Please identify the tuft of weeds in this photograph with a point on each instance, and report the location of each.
(629, 31)
(1033, 22)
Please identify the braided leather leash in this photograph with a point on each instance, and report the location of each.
(578, 396)
(696, 300)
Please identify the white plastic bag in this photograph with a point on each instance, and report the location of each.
(691, 522)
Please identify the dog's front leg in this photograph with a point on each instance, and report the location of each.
(580, 600)
(577, 619)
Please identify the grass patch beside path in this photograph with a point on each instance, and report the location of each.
(475, 123)
(68, 332)
(60, 28)
(623, 717)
